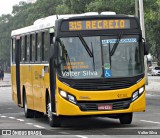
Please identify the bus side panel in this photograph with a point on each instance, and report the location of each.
(37, 87)
(14, 86)
(26, 82)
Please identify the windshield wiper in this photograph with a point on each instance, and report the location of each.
(116, 44)
(110, 55)
(93, 57)
(85, 45)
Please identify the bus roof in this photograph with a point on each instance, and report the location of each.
(40, 24)
(49, 22)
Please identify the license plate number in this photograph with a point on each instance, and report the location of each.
(105, 107)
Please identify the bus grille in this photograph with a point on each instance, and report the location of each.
(102, 85)
(93, 106)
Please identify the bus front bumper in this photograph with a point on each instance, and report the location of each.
(66, 108)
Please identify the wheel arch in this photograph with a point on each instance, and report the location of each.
(46, 99)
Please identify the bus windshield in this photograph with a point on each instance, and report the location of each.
(76, 63)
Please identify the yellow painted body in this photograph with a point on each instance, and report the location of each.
(35, 86)
(66, 108)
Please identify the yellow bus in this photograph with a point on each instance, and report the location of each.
(79, 65)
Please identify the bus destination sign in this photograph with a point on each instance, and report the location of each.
(99, 24)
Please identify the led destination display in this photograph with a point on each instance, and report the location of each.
(99, 24)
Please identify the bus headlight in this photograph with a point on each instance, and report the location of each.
(141, 90)
(135, 96)
(68, 96)
(63, 94)
(71, 99)
(137, 93)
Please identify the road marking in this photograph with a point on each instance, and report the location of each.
(12, 117)
(20, 120)
(65, 133)
(38, 126)
(152, 95)
(80, 136)
(150, 121)
(3, 116)
(9, 108)
(29, 123)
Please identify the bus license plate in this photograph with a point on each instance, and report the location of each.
(105, 107)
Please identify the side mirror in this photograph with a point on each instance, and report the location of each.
(53, 56)
(54, 40)
(51, 51)
(145, 48)
(52, 48)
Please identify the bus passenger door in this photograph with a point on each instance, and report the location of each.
(17, 71)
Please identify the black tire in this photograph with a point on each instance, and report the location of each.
(125, 118)
(27, 112)
(54, 121)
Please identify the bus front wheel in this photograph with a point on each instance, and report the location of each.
(125, 118)
(54, 120)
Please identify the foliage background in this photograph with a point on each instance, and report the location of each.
(25, 14)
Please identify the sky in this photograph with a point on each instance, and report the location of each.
(6, 6)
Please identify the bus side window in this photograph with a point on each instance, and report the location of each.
(13, 50)
(36, 46)
(28, 48)
(22, 48)
(25, 49)
(33, 47)
(51, 38)
(39, 44)
(42, 46)
(46, 46)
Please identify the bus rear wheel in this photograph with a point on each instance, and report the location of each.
(28, 113)
(54, 121)
(125, 118)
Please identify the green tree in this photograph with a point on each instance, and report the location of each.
(25, 14)
(152, 19)
(118, 6)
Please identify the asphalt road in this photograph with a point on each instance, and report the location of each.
(12, 117)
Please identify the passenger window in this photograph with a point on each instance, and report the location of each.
(28, 48)
(46, 46)
(33, 47)
(25, 45)
(39, 47)
(22, 48)
(13, 50)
